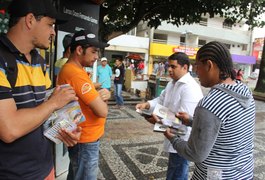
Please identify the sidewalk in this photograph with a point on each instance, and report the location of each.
(130, 150)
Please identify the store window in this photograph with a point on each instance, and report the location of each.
(227, 25)
(182, 40)
(227, 45)
(160, 38)
(203, 22)
(244, 47)
(201, 42)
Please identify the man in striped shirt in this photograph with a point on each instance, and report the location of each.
(222, 137)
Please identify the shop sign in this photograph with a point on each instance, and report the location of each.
(257, 48)
(188, 50)
(83, 15)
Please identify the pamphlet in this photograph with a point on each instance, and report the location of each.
(67, 117)
(179, 130)
(144, 112)
(168, 120)
(158, 127)
(168, 117)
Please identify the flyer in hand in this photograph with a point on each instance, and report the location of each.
(67, 117)
(165, 114)
(179, 130)
(168, 119)
(144, 112)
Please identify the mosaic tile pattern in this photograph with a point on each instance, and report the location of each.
(142, 157)
(118, 114)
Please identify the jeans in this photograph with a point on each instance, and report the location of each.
(178, 167)
(117, 94)
(83, 161)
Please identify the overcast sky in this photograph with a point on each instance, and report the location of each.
(259, 33)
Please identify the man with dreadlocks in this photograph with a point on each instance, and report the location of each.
(221, 141)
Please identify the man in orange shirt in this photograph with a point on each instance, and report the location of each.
(84, 156)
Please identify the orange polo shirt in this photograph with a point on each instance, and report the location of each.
(93, 126)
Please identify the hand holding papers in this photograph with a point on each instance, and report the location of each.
(168, 120)
(180, 130)
(144, 112)
(167, 116)
(67, 117)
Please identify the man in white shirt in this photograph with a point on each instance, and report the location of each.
(182, 93)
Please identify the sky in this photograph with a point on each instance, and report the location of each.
(259, 33)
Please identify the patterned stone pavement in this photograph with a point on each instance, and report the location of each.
(131, 150)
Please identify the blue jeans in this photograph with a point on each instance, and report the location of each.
(178, 167)
(117, 94)
(83, 161)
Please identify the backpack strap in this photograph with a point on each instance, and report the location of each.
(11, 65)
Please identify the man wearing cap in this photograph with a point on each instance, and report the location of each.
(85, 155)
(66, 53)
(104, 74)
(24, 151)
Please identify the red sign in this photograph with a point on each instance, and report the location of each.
(188, 50)
(2, 11)
(257, 48)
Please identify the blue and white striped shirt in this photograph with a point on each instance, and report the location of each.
(222, 138)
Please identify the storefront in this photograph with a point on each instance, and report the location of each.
(244, 63)
(133, 50)
(160, 52)
(257, 48)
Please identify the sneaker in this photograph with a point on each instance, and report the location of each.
(122, 107)
(116, 107)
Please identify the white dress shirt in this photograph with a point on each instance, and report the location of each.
(179, 96)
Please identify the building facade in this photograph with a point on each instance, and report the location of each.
(167, 39)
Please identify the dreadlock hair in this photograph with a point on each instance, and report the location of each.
(218, 53)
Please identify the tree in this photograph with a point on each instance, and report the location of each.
(260, 86)
(118, 17)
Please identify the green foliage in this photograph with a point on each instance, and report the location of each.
(4, 22)
(120, 16)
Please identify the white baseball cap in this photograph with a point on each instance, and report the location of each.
(104, 59)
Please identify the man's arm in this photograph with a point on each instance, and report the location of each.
(98, 105)
(15, 123)
(203, 135)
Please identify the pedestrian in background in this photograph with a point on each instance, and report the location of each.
(161, 69)
(166, 67)
(140, 67)
(239, 75)
(104, 74)
(156, 66)
(25, 153)
(66, 53)
(118, 82)
(182, 93)
(222, 137)
(84, 156)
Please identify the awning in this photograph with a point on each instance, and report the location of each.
(243, 59)
(135, 57)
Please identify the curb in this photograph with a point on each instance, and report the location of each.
(259, 98)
